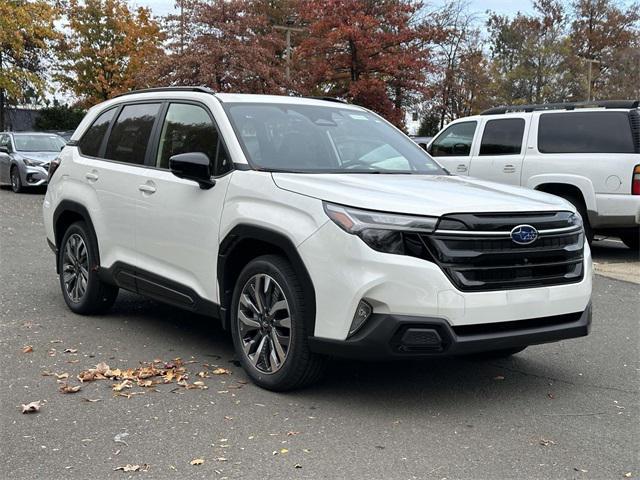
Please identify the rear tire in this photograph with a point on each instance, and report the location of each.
(16, 181)
(270, 332)
(82, 289)
(631, 239)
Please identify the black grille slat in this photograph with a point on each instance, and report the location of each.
(480, 263)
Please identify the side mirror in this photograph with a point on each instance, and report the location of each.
(429, 149)
(4, 149)
(194, 166)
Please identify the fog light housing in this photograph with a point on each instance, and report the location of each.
(363, 312)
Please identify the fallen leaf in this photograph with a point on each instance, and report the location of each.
(197, 461)
(145, 383)
(551, 396)
(32, 407)
(580, 470)
(70, 350)
(284, 450)
(297, 465)
(66, 388)
(498, 377)
(289, 434)
(221, 371)
(133, 468)
(27, 349)
(203, 374)
(221, 459)
(61, 376)
(102, 368)
(118, 387)
(92, 400)
(545, 443)
(627, 475)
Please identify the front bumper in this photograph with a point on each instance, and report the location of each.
(397, 336)
(34, 176)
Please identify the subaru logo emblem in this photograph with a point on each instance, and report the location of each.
(524, 234)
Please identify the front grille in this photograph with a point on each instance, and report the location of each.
(479, 254)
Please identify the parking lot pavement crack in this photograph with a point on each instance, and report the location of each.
(567, 382)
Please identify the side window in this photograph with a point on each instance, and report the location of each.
(5, 141)
(502, 137)
(130, 134)
(189, 128)
(585, 132)
(92, 139)
(455, 141)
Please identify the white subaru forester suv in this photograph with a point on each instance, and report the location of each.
(310, 228)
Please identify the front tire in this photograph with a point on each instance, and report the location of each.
(16, 181)
(268, 326)
(82, 289)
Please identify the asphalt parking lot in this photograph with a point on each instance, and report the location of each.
(564, 410)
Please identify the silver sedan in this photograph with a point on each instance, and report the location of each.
(25, 158)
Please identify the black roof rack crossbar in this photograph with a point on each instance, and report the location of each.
(168, 89)
(327, 99)
(563, 106)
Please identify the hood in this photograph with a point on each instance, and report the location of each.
(433, 195)
(41, 156)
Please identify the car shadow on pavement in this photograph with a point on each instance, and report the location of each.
(380, 386)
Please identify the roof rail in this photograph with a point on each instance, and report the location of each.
(327, 99)
(563, 106)
(168, 89)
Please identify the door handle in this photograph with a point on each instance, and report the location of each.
(150, 189)
(509, 169)
(461, 168)
(92, 177)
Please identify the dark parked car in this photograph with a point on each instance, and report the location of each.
(25, 158)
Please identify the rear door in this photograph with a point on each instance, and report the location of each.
(112, 162)
(452, 147)
(501, 149)
(177, 221)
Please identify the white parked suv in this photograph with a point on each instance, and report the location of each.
(587, 153)
(310, 228)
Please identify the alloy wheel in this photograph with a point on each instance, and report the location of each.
(264, 323)
(75, 268)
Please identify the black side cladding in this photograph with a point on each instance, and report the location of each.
(634, 119)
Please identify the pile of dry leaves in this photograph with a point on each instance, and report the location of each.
(148, 375)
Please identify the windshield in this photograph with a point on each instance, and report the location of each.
(319, 139)
(38, 143)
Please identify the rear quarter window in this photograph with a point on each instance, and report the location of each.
(585, 132)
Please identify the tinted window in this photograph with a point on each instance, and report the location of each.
(187, 128)
(5, 141)
(585, 132)
(502, 137)
(92, 139)
(311, 138)
(455, 141)
(130, 134)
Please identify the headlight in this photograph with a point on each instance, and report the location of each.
(380, 230)
(31, 163)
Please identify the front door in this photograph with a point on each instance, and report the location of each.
(177, 222)
(452, 148)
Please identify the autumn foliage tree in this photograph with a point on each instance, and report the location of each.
(226, 45)
(105, 48)
(370, 52)
(26, 34)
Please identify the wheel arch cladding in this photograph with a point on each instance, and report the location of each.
(246, 242)
(67, 213)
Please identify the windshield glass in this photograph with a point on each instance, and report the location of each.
(38, 143)
(319, 139)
